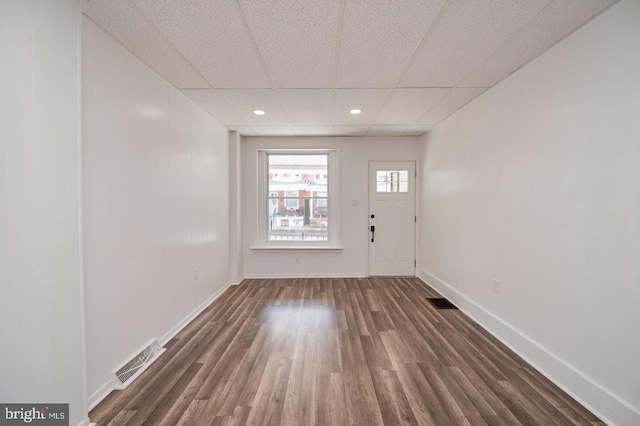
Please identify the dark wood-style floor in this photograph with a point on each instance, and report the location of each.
(337, 352)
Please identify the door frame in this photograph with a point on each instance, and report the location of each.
(416, 239)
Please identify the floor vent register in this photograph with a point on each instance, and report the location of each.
(441, 303)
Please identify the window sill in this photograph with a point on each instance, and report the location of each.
(295, 249)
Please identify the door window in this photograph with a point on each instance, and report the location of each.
(392, 181)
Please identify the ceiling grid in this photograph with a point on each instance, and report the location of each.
(407, 64)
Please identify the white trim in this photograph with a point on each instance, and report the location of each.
(294, 249)
(102, 392)
(86, 422)
(333, 190)
(299, 275)
(235, 208)
(370, 187)
(114, 383)
(613, 409)
(186, 320)
(80, 201)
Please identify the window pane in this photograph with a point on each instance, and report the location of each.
(298, 198)
(306, 223)
(392, 181)
(291, 202)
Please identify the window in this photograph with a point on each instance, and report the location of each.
(298, 201)
(291, 199)
(392, 181)
(304, 214)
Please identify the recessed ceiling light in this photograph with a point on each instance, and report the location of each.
(355, 111)
(258, 112)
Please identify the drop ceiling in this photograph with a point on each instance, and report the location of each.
(408, 64)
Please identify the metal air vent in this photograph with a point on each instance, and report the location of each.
(139, 362)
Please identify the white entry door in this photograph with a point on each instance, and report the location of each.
(392, 218)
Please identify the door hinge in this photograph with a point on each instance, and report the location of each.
(415, 263)
(415, 173)
(415, 219)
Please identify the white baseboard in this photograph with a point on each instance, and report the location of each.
(186, 320)
(603, 403)
(104, 390)
(303, 275)
(114, 383)
(86, 422)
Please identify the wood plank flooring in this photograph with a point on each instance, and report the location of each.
(337, 352)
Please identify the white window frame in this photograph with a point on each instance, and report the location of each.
(333, 193)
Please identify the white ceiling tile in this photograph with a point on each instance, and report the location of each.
(297, 39)
(129, 26)
(468, 32)
(450, 103)
(369, 100)
(386, 130)
(245, 101)
(212, 35)
(213, 102)
(248, 48)
(554, 23)
(244, 131)
(349, 130)
(307, 106)
(311, 130)
(379, 38)
(272, 130)
(405, 106)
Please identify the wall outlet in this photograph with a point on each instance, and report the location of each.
(297, 260)
(495, 286)
(195, 273)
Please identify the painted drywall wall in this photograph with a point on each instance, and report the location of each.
(535, 184)
(156, 195)
(41, 336)
(235, 208)
(355, 154)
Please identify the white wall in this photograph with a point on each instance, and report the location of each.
(355, 154)
(235, 208)
(156, 195)
(41, 336)
(535, 183)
